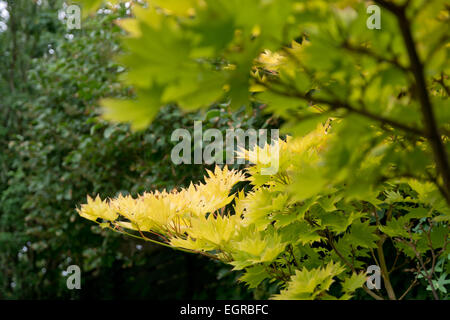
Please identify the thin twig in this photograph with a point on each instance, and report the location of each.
(431, 128)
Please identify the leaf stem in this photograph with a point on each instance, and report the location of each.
(384, 270)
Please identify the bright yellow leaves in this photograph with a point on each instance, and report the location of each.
(176, 216)
(256, 247)
(97, 209)
(194, 218)
(263, 157)
(308, 284)
(160, 208)
(255, 231)
(295, 155)
(205, 198)
(211, 233)
(271, 61)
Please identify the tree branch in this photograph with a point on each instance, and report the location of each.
(331, 243)
(379, 58)
(384, 270)
(336, 104)
(429, 119)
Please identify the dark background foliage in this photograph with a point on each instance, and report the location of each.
(55, 150)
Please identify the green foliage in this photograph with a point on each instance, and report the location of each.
(382, 180)
(53, 144)
(307, 60)
(312, 284)
(441, 274)
(314, 249)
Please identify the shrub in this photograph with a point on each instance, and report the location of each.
(53, 146)
(312, 247)
(383, 93)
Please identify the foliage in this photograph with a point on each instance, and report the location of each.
(53, 144)
(382, 178)
(273, 234)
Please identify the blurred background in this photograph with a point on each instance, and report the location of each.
(54, 150)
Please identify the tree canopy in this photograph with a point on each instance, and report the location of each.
(379, 96)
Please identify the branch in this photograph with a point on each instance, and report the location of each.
(379, 58)
(336, 104)
(13, 28)
(430, 244)
(383, 266)
(421, 264)
(413, 283)
(384, 270)
(392, 7)
(367, 290)
(429, 119)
